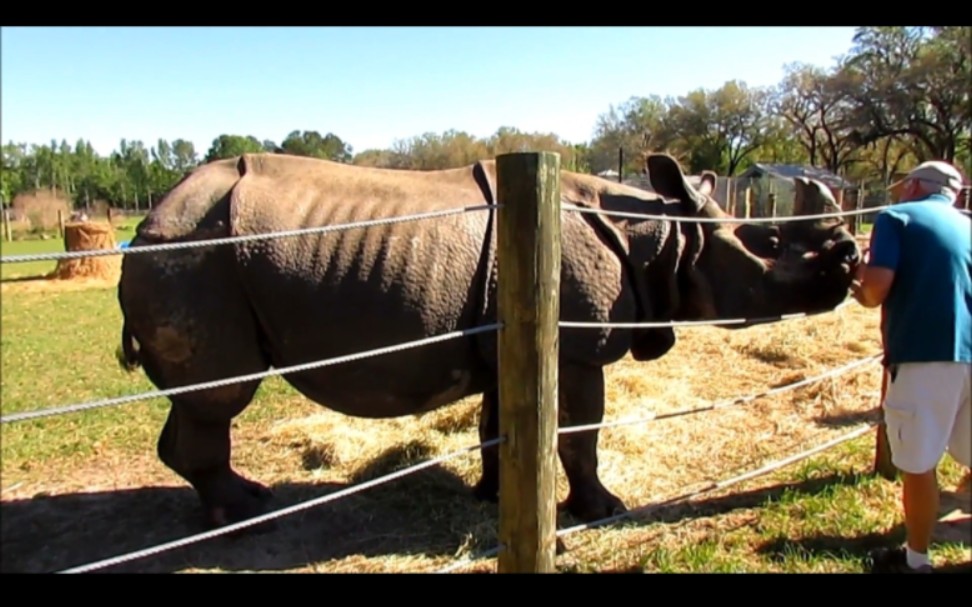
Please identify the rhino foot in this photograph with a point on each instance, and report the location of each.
(240, 499)
(592, 506)
(486, 490)
(253, 488)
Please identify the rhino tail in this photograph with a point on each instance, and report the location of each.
(128, 353)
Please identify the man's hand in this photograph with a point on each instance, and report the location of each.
(855, 286)
(871, 285)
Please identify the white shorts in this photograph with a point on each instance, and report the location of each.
(926, 410)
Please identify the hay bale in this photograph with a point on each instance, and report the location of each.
(88, 236)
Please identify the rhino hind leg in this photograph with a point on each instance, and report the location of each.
(581, 403)
(195, 443)
(487, 489)
(190, 317)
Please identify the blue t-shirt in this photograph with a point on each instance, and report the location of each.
(927, 315)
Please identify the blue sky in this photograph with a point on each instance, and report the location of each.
(369, 86)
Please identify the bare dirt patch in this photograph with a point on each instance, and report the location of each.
(74, 512)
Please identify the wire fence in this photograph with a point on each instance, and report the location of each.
(21, 416)
(120, 400)
(727, 219)
(209, 242)
(155, 248)
(276, 514)
(708, 487)
(358, 488)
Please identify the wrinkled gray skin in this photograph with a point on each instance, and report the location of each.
(201, 314)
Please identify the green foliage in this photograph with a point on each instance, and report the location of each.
(311, 143)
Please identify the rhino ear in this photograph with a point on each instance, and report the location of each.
(800, 195)
(707, 183)
(822, 197)
(811, 197)
(667, 179)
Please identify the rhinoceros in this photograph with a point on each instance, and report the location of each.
(201, 314)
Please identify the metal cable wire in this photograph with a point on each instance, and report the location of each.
(725, 403)
(22, 416)
(697, 323)
(374, 222)
(711, 486)
(716, 485)
(681, 219)
(237, 239)
(124, 558)
(25, 415)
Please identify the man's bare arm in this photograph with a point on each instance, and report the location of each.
(872, 285)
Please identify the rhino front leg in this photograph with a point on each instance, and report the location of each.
(487, 488)
(582, 402)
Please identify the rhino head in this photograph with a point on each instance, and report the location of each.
(753, 270)
(731, 270)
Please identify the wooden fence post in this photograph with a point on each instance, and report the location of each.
(528, 246)
(730, 208)
(883, 465)
(731, 197)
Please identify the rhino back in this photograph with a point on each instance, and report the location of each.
(329, 294)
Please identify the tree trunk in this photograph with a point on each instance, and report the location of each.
(87, 236)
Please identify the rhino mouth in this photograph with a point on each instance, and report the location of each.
(843, 256)
(811, 280)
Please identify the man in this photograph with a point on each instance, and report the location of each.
(918, 270)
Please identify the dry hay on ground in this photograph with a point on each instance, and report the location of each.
(88, 236)
(43, 284)
(424, 521)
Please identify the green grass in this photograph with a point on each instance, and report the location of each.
(820, 516)
(58, 348)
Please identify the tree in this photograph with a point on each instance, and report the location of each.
(912, 82)
(311, 143)
(820, 106)
(228, 146)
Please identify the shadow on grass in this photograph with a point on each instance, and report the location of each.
(831, 545)
(31, 278)
(837, 545)
(431, 512)
(678, 512)
(854, 418)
